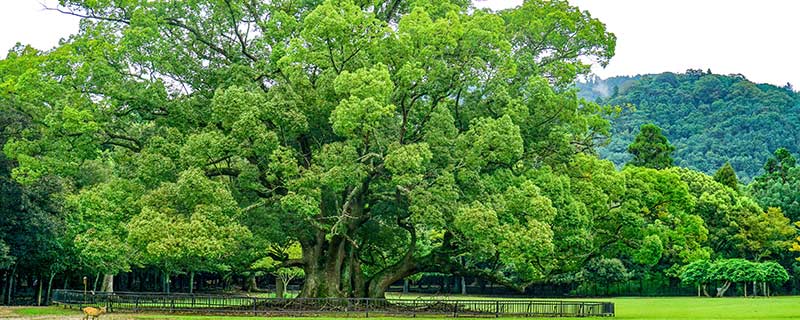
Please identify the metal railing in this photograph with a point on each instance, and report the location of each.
(350, 307)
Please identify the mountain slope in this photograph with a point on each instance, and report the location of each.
(709, 118)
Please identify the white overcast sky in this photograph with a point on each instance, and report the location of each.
(759, 39)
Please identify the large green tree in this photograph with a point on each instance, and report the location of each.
(387, 138)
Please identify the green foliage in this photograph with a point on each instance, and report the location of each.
(697, 273)
(605, 271)
(772, 272)
(650, 148)
(355, 143)
(710, 119)
(727, 176)
(778, 186)
(385, 139)
(738, 226)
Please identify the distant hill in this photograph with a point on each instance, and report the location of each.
(710, 118)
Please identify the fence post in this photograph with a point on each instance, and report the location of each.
(561, 309)
(455, 309)
(497, 309)
(367, 308)
(136, 304)
(254, 306)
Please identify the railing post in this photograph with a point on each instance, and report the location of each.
(497, 309)
(367, 308)
(455, 309)
(254, 307)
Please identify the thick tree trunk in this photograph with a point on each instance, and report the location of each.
(705, 290)
(108, 283)
(463, 286)
(745, 289)
(755, 288)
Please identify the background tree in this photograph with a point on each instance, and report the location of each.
(773, 273)
(651, 149)
(698, 274)
(727, 176)
(777, 186)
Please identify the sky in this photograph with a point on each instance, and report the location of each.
(758, 39)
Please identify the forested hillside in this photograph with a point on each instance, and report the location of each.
(709, 118)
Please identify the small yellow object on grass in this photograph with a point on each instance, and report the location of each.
(93, 312)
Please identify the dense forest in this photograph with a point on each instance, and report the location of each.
(355, 144)
(711, 119)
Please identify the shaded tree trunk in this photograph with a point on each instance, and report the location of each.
(725, 287)
(39, 294)
(49, 287)
(4, 285)
(252, 284)
(166, 282)
(280, 288)
(191, 282)
(108, 283)
(11, 284)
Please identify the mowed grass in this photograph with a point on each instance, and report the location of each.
(627, 308)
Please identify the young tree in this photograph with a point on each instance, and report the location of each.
(651, 149)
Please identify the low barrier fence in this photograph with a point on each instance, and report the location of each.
(350, 307)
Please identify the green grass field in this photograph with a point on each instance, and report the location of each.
(627, 308)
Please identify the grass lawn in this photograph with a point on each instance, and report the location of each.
(627, 308)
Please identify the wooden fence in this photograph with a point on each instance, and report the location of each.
(349, 307)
